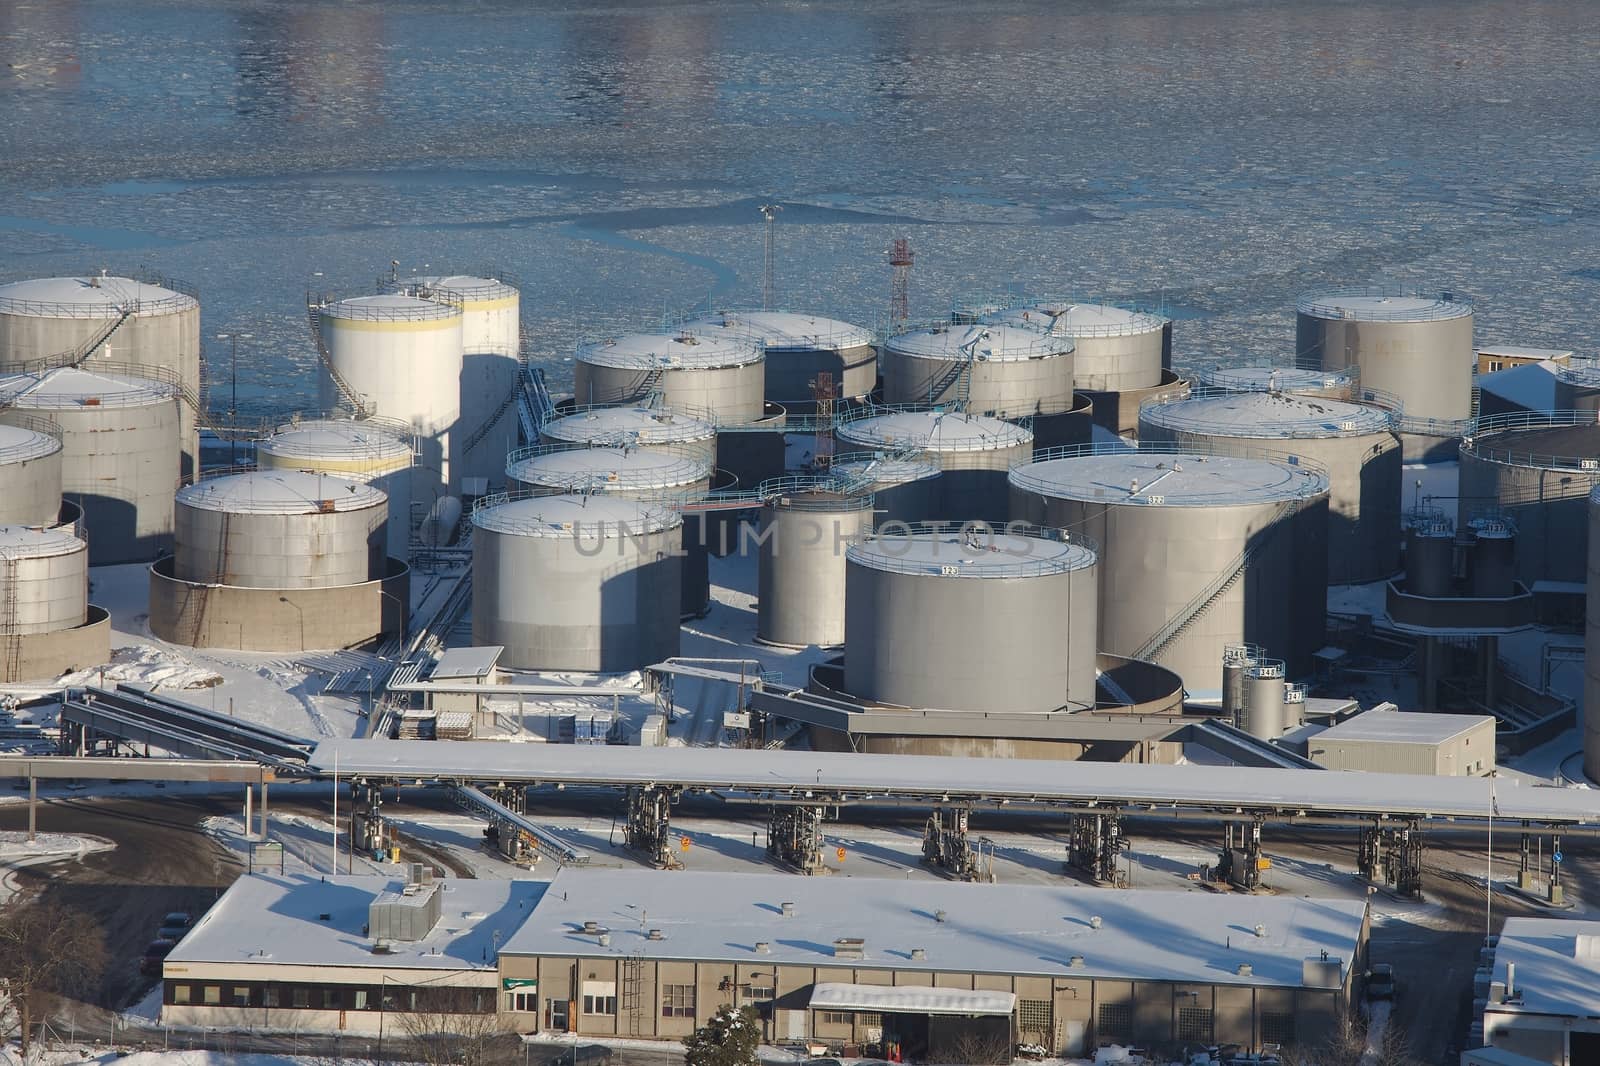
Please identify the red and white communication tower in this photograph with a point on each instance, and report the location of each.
(900, 257)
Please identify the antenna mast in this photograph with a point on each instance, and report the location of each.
(770, 213)
(900, 256)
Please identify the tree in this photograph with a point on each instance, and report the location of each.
(447, 1025)
(731, 1038)
(46, 949)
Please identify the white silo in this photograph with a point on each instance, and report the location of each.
(30, 470)
(716, 377)
(44, 580)
(586, 583)
(799, 347)
(491, 342)
(974, 453)
(120, 457)
(152, 323)
(373, 451)
(399, 357)
(637, 427)
(1000, 370)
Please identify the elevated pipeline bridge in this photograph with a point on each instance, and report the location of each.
(131, 720)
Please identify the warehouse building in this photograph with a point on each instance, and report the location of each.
(1544, 993)
(1407, 742)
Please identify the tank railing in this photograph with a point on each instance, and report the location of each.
(974, 536)
(395, 282)
(1482, 439)
(1144, 319)
(1315, 482)
(283, 507)
(652, 516)
(1002, 439)
(696, 353)
(1584, 372)
(1163, 411)
(391, 438)
(1491, 522)
(185, 296)
(148, 383)
(838, 336)
(20, 419)
(1324, 303)
(239, 428)
(679, 466)
(869, 466)
(680, 415)
(1217, 377)
(425, 311)
(1435, 427)
(1265, 669)
(1428, 521)
(1039, 344)
(815, 492)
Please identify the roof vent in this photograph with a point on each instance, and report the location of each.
(919, 954)
(938, 916)
(383, 947)
(605, 940)
(1245, 970)
(591, 927)
(1075, 963)
(763, 948)
(324, 917)
(1095, 922)
(1261, 930)
(788, 909)
(849, 947)
(654, 934)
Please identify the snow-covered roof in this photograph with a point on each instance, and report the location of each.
(935, 431)
(274, 919)
(645, 425)
(785, 331)
(18, 444)
(1365, 304)
(684, 350)
(1077, 318)
(607, 469)
(68, 387)
(31, 542)
(988, 554)
(388, 307)
(280, 492)
(1518, 351)
(467, 662)
(916, 999)
(933, 926)
(1169, 479)
(1558, 966)
(1265, 415)
(101, 297)
(1405, 727)
(997, 343)
(1530, 387)
(336, 438)
(557, 517)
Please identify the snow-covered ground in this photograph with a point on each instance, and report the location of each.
(16, 851)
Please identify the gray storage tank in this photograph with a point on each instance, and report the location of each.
(1265, 713)
(1118, 350)
(120, 457)
(30, 470)
(1355, 443)
(972, 619)
(904, 488)
(585, 583)
(645, 428)
(1578, 386)
(1005, 371)
(1198, 551)
(721, 378)
(974, 453)
(806, 526)
(799, 347)
(44, 581)
(1591, 647)
(1266, 377)
(1430, 554)
(280, 529)
(151, 323)
(1537, 469)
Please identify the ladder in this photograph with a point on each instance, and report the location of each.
(357, 405)
(477, 436)
(633, 992)
(13, 660)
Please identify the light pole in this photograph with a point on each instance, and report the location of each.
(233, 399)
(302, 614)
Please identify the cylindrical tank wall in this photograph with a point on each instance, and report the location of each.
(903, 490)
(1426, 365)
(491, 335)
(30, 477)
(370, 454)
(634, 427)
(1119, 363)
(1430, 565)
(1003, 387)
(1264, 713)
(1493, 568)
(1235, 657)
(730, 395)
(790, 374)
(801, 566)
(1512, 472)
(44, 581)
(1591, 649)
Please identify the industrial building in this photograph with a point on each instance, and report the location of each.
(1405, 742)
(1493, 359)
(974, 453)
(800, 348)
(1544, 992)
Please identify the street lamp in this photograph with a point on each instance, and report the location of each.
(302, 614)
(233, 400)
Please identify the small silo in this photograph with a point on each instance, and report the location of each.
(904, 488)
(584, 583)
(1493, 567)
(1538, 469)
(974, 452)
(120, 453)
(1591, 647)
(806, 525)
(719, 378)
(400, 357)
(150, 323)
(1430, 553)
(971, 619)
(372, 451)
(1414, 347)
(1118, 350)
(1199, 552)
(1264, 711)
(1355, 443)
(799, 347)
(491, 341)
(645, 428)
(1005, 371)
(44, 581)
(279, 529)
(1299, 381)
(30, 470)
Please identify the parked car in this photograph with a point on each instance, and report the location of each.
(1380, 981)
(150, 965)
(582, 1055)
(177, 920)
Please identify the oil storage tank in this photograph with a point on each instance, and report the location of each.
(1591, 647)
(491, 341)
(1355, 443)
(147, 322)
(400, 357)
(1298, 381)
(584, 583)
(971, 619)
(30, 470)
(800, 347)
(1199, 551)
(974, 452)
(806, 526)
(904, 488)
(373, 451)
(46, 619)
(713, 376)
(1578, 387)
(120, 455)
(1413, 346)
(997, 370)
(644, 428)
(1538, 469)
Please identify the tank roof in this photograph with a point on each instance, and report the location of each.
(18, 445)
(606, 469)
(686, 349)
(937, 431)
(334, 438)
(1268, 378)
(70, 387)
(470, 286)
(101, 297)
(999, 343)
(1367, 304)
(1551, 440)
(879, 469)
(388, 307)
(554, 517)
(1078, 318)
(280, 492)
(1169, 478)
(1265, 416)
(968, 552)
(780, 331)
(643, 424)
(812, 492)
(32, 542)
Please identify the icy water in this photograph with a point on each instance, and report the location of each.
(1215, 156)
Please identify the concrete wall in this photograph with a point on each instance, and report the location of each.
(46, 656)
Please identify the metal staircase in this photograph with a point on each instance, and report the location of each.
(476, 437)
(357, 405)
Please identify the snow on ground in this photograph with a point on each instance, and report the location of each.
(17, 851)
(308, 845)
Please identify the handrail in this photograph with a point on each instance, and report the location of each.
(1175, 414)
(314, 306)
(975, 536)
(1323, 303)
(1480, 440)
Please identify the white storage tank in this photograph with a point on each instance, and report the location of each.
(717, 377)
(972, 619)
(799, 347)
(1591, 646)
(632, 426)
(151, 323)
(974, 452)
(374, 451)
(625, 471)
(1355, 443)
(585, 583)
(44, 580)
(806, 525)
(1005, 371)
(1199, 552)
(280, 529)
(905, 488)
(1118, 350)
(30, 470)
(402, 357)
(491, 342)
(120, 457)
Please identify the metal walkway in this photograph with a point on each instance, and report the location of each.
(496, 812)
(133, 715)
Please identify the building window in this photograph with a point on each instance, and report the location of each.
(180, 994)
(600, 997)
(757, 993)
(1277, 1027)
(269, 996)
(836, 1017)
(241, 995)
(557, 1015)
(524, 1002)
(1033, 1016)
(871, 1021)
(1194, 1023)
(1116, 1022)
(301, 998)
(359, 999)
(677, 1001)
(213, 995)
